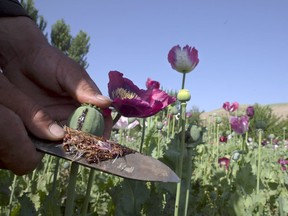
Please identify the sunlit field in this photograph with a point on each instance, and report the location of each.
(229, 163)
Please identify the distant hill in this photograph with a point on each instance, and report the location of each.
(280, 109)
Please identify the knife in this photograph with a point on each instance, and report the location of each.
(132, 166)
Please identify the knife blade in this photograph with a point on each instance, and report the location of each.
(132, 166)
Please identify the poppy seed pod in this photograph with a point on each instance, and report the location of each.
(174, 110)
(236, 155)
(87, 118)
(260, 124)
(195, 132)
(218, 120)
(159, 125)
(184, 95)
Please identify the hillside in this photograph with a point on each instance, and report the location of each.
(280, 109)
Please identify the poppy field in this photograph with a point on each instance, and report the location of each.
(231, 164)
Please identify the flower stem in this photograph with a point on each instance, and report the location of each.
(188, 178)
(12, 193)
(142, 135)
(217, 144)
(88, 191)
(55, 175)
(173, 126)
(158, 143)
(259, 164)
(180, 162)
(183, 80)
(71, 189)
(168, 124)
(117, 117)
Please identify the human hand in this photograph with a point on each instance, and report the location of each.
(39, 86)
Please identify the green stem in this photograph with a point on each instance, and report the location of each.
(71, 189)
(88, 191)
(55, 174)
(47, 165)
(217, 144)
(12, 193)
(183, 80)
(143, 135)
(168, 124)
(188, 178)
(259, 165)
(121, 135)
(180, 162)
(245, 142)
(228, 117)
(214, 130)
(173, 126)
(158, 143)
(117, 117)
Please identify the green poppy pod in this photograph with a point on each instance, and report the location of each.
(87, 118)
(159, 125)
(218, 120)
(184, 95)
(195, 132)
(236, 155)
(174, 110)
(260, 124)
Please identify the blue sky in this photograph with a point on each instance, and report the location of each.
(242, 44)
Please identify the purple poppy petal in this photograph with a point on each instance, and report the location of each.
(152, 84)
(239, 124)
(282, 161)
(250, 111)
(130, 101)
(183, 60)
(224, 162)
(234, 106)
(119, 86)
(223, 139)
(226, 106)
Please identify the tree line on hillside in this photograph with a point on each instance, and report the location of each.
(76, 47)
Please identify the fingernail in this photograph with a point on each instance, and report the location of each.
(103, 98)
(56, 130)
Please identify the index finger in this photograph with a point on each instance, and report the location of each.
(56, 72)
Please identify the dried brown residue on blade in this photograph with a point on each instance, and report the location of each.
(94, 149)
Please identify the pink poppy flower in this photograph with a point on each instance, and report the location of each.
(123, 123)
(231, 108)
(152, 84)
(130, 101)
(240, 124)
(282, 161)
(224, 162)
(250, 111)
(183, 60)
(223, 139)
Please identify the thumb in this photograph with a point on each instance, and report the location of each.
(34, 117)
